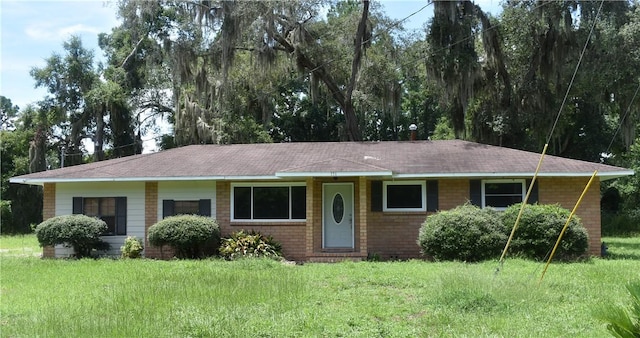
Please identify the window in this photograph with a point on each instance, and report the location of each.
(404, 196)
(186, 207)
(268, 202)
(500, 194)
(112, 210)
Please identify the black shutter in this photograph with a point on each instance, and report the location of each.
(533, 198)
(376, 195)
(432, 196)
(475, 192)
(168, 208)
(121, 215)
(205, 208)
(78, 205)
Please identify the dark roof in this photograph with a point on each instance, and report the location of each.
(437, 159)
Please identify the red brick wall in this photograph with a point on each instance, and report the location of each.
(452, 193)
(292, 236)
(48, 211)
(566, 191)
(151, 218)
(393, 235)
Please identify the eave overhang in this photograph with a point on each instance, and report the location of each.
(604, 176)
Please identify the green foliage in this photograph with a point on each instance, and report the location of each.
(538, 231)
(622, 322)
(132, 247)
(622, 223)
(5, 213)
(190, 236)
(466, 233)
(26, 201)
(629, 186)
(80, 232)
(8, 112)
(249, 244)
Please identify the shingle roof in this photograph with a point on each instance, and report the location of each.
(437, 159)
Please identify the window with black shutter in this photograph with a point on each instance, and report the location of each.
(111, 210)
(186, 207)
(500, 194)
(404, 196)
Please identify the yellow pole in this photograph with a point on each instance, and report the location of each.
(526, 198)
(566, 225)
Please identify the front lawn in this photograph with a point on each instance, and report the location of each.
(250, 298)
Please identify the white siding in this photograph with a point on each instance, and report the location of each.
(133, 191)
(187, 191)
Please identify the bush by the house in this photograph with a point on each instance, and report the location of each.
(466, 233)
(249, 244)
(190, 236)
(132, 247)
(80, 232)
(538, 231)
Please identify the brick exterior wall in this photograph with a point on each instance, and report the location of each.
(48, 211)
(452, 193)
(388, 235)
(292, 235)
(566, 191)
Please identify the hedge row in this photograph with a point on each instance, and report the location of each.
(190, 236)
(469, 233)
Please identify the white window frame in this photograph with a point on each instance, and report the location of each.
(515, 180)
(422, 184)
(252, 185)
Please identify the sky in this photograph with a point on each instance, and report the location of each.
(30, 31)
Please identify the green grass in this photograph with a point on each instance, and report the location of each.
(623, 247)
(261, 298)
(19, 245)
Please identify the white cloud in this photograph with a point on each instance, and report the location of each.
(46, 32)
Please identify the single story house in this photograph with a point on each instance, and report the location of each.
(322, 201)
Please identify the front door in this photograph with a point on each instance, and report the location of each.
(337, 215)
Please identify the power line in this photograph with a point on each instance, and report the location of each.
(586, 43)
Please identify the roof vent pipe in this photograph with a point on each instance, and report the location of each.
(413, 129)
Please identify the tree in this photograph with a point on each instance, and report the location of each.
(86, 106)
(69, 78)
(8, 112)
(19, 156)
(210, 45)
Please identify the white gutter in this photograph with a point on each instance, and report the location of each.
(606, 175)
(41, 181)
(283, 175)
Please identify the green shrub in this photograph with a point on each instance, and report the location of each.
(249, 244)
(620, 322)
(132, 247)
(5, 216)
(80, 232)
(466, 233)
(538, 231)
(190, 236)
(621, 223)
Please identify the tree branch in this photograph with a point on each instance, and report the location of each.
(133, 52)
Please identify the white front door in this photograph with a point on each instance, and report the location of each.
(337, 215)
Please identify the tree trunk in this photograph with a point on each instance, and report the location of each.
(98, 153)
